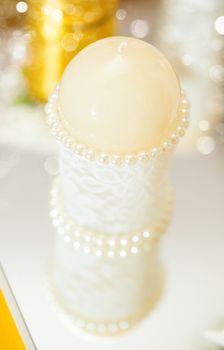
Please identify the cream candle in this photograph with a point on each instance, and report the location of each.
(117, 114)
(120, 95)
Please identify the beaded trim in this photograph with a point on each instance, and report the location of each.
(92, 327)
(119, 245)
(67, 140)
(97, 328)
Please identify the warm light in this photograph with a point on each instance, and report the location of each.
(216, 73)
(121, 14)
(219, 25)
(46, 10)
(206, 145)
(139, 28)
(70, 42)
(57, 15)
(21, 6)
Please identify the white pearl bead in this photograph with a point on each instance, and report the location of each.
(67, 239)
(111, 242)
(116, 160)
(78, 149)
(98, 253)
(90, 154)
(185, 102)
(180, 131)
(101, 328)
(134, 250)
(185, 122)
(184, 110)
(110, 253)
(87, 238)
(50, 120)
(80, 323)
(67, 142)
(54, 213)
(174, 138)
(154, 152)
(90, 326)
(77, 233)
(55, 132)
(123, 325)
(146, 234)
(113, 328)
(123, 253)
(67, 227)
(165, 145)
(130, 159)
(76, 245)
(124, 242)
(135, 239)
(99, 242)
(86, 250)
(53, 116)
(61, 231)
(103, 158)
(117, 245)
(143, 157)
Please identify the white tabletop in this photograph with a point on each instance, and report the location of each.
(193, 300)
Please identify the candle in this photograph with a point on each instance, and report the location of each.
(120, 95)
(117, 114)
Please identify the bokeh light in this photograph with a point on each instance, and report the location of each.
(121, 14)
(206, 145)
(21, 6)
(219, 25)
(204, 125)
(187, 60)
(139, 28)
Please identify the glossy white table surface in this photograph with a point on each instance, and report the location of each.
(193, 252)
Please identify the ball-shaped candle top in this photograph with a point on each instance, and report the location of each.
(119, 95)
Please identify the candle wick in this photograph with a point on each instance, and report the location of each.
(122, 46)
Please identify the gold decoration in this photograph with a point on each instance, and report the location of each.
(59, 29)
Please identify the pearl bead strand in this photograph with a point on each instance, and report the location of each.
(106, 245)
(63, 136)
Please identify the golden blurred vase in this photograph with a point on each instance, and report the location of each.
(59, 29)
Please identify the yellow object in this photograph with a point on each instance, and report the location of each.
(58, 30)
(10, 338)
(120, 95)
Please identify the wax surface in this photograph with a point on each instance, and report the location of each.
(119, 95)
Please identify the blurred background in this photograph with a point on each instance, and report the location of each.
(37, 40)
